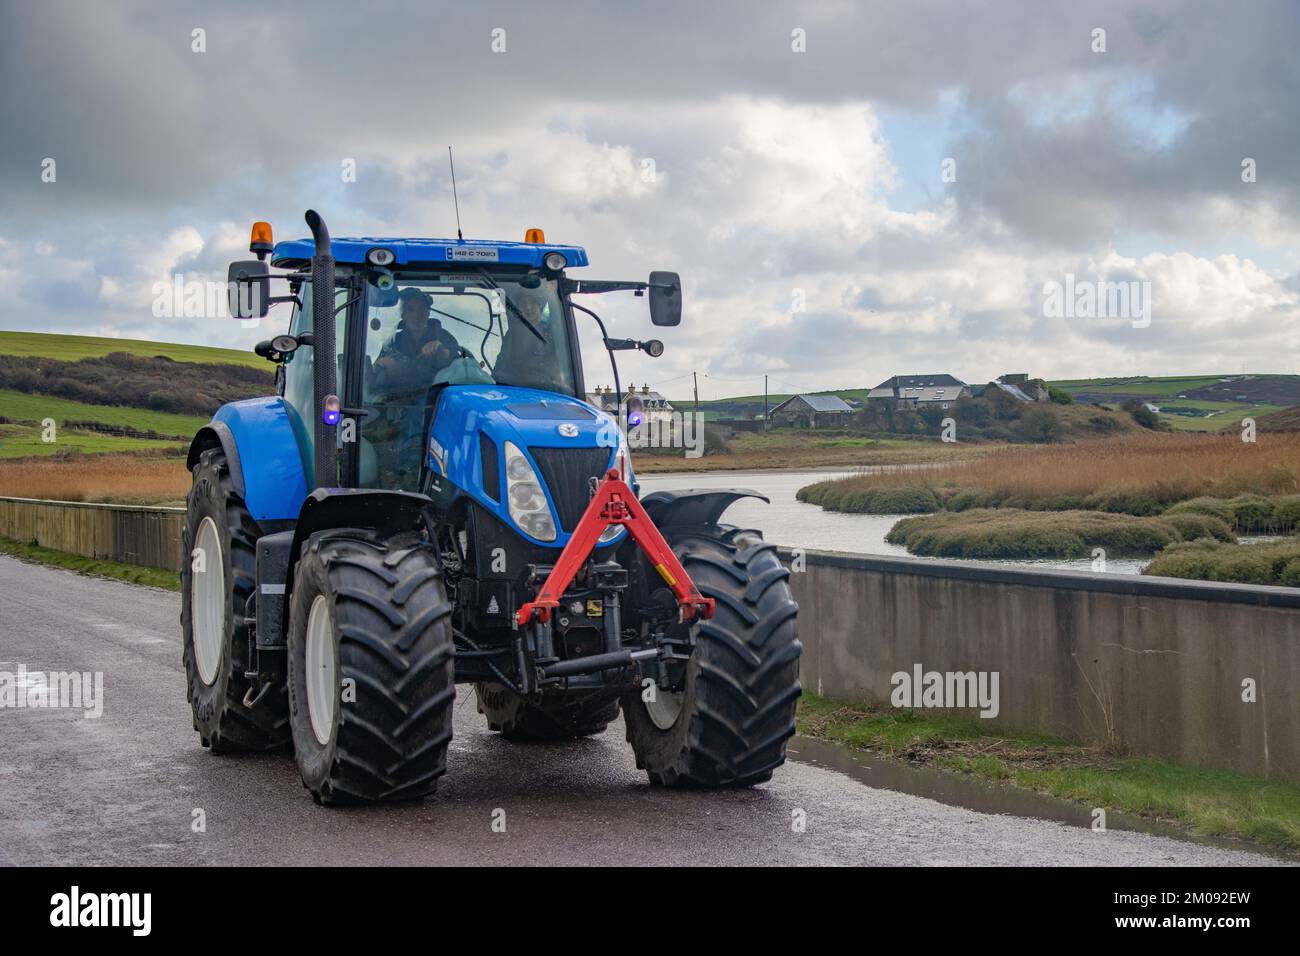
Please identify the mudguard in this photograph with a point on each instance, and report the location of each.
(384, 512)
(258, 431)
(694, 506)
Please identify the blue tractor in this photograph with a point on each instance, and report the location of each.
(429, 499)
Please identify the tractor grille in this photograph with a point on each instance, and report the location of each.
(566, 472)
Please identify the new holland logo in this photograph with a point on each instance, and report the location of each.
(568, 429)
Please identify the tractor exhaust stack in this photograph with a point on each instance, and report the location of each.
(324, 349)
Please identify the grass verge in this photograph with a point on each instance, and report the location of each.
(1210, 803)
(98, 567)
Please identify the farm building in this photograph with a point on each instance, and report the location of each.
(909, 391)
(811, 411)
(655, 406)
(1021, 386)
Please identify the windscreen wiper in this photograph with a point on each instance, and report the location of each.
(512, 307)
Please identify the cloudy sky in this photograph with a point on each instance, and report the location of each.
(849, 190)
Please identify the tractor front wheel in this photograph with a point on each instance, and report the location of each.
(728, 725)
(371, 668)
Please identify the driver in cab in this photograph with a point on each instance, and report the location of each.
(420, 346)
(529, 351)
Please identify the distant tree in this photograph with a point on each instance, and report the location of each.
(1145, 417)
(932, 417)
(1004, 406)
(972, 412)
(1040, 424)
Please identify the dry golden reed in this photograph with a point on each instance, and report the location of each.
(1169, 467)
(117, 478)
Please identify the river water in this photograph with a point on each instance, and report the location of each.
(794, 523)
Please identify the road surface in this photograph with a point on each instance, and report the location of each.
(128, 787)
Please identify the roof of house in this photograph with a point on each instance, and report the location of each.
(610, 399)
(1013, 390)
(946, 393)
(818, 403)
(939, 379)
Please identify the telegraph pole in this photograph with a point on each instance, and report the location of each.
(764, 403)
(695, 377)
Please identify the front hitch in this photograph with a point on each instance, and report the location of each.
(614, 503)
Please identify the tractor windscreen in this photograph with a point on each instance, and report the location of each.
(465, 329)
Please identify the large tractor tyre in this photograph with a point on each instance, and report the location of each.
(218, 573)
(566, 717)
(371, 668)
(728, 725)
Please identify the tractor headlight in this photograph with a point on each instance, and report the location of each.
(527, 501)
(555, 261)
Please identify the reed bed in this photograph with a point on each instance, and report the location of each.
(1141, 475)
(126, 479)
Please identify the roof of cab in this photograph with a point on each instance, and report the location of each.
(408, 251)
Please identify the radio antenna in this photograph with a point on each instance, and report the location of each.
(456, 199)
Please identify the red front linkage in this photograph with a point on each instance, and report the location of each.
(614, 503)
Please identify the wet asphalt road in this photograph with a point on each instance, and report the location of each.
(124, 788)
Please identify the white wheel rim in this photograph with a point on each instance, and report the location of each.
(664, 709)
(321, 692)
(208, 602)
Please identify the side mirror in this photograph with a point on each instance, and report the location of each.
(665, 298)
(248, 288)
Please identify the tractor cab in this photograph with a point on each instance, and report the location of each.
(417, 316)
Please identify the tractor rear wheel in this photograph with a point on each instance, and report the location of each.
(564, 717)
(371, 668)
(728, 725)
(218, 573)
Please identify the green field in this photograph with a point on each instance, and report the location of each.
(1227, 414)
(1139, 385)
(1163, 391)
(26, 441)
(35, 408)
(70, 348)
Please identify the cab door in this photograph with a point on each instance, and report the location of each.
(300, 385)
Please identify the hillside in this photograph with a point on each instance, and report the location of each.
(113, 395)
(69, 348)
(1193, 402)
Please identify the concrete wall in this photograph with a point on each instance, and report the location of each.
(1153, 663)
(131, 535)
